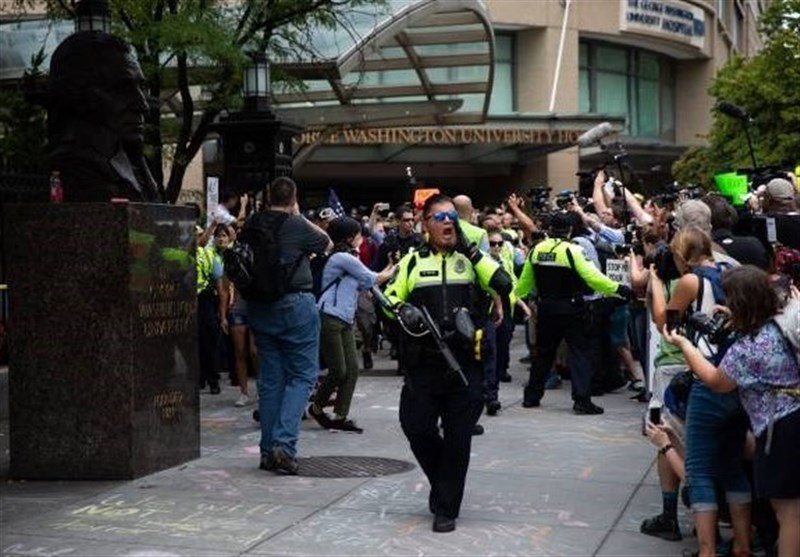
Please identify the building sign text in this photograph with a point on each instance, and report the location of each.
(669, 19)
(454, 135)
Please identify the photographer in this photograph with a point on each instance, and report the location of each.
(747, 250)
(780, 202)
(526, 224)
(715, 422)
(761, 364)
(614, 213)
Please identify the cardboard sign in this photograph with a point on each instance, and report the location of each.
(619, 271)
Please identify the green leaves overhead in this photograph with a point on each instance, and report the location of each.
(766, 86)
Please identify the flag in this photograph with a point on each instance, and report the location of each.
(335, 204)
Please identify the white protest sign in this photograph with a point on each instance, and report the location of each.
(619, 271)
(212, 197)
(772, 232)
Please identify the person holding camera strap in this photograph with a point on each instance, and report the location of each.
(715, 422)
(560, 274)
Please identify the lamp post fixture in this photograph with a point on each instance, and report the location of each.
(256, 146)
(92, 15)
(257, 88)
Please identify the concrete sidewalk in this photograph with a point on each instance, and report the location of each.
(541, 482)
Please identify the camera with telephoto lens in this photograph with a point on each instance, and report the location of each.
(713, 327)
(664, 263)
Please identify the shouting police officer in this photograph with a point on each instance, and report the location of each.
(561, 277)
(445, 277)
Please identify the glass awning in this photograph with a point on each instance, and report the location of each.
(423, 62)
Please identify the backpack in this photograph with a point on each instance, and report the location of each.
(787, 262)
(317, 268)
(252, 261)
(788, 321)
(714, 276)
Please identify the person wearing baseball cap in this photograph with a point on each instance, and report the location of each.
(780, 203)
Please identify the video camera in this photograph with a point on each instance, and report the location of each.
(539, 198)
(564, 199)
(673, 192)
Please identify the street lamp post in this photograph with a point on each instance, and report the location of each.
(256, 145)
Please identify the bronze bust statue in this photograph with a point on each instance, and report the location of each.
(96, 120)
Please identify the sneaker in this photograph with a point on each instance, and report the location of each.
(320, 416)
(477, 429)
(636, 386)
(284, 464)
(662, 526)
(367, 360)
(492, 407)
(553, 381)
(529, 403)
(243, 400)
(586, 408)
(345, 425)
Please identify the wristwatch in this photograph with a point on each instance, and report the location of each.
(663, 450)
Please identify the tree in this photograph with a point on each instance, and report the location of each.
(23, 129)
(766, 87)
(186, 45)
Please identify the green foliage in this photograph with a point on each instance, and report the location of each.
(23, 126)
(191, 46)
(766, 87)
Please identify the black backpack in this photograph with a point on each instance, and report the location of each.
(254, 263)
(317, 267)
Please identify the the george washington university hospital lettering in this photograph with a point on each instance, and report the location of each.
(439, 136)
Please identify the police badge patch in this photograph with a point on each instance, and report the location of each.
(460, 266)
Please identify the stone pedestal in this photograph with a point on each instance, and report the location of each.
(103, 362)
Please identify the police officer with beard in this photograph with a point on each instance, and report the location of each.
(447, 276)
(563, 281)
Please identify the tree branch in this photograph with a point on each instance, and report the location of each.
(186, 99)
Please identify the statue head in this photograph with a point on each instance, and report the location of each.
(95, 77)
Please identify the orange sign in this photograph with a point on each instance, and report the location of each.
(421, 195)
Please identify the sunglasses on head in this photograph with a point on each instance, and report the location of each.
(496, 244)
(440, 216)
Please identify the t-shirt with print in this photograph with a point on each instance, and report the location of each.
(298, 239)
(759, 363)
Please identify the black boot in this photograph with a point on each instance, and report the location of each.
(367, 359)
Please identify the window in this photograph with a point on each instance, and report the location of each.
(738, 29)
(503, 90)
(502, 101)
(636, 83)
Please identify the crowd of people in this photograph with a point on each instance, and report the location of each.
(591, 280)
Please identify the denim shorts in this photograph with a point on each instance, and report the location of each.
(618, 326)
(716, 425)
(237, 316)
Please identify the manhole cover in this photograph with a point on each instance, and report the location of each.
(351, 466)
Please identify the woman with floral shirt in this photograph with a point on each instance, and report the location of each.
(762, 364)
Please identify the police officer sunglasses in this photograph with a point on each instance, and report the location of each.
(440, 216)
(496, 244)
